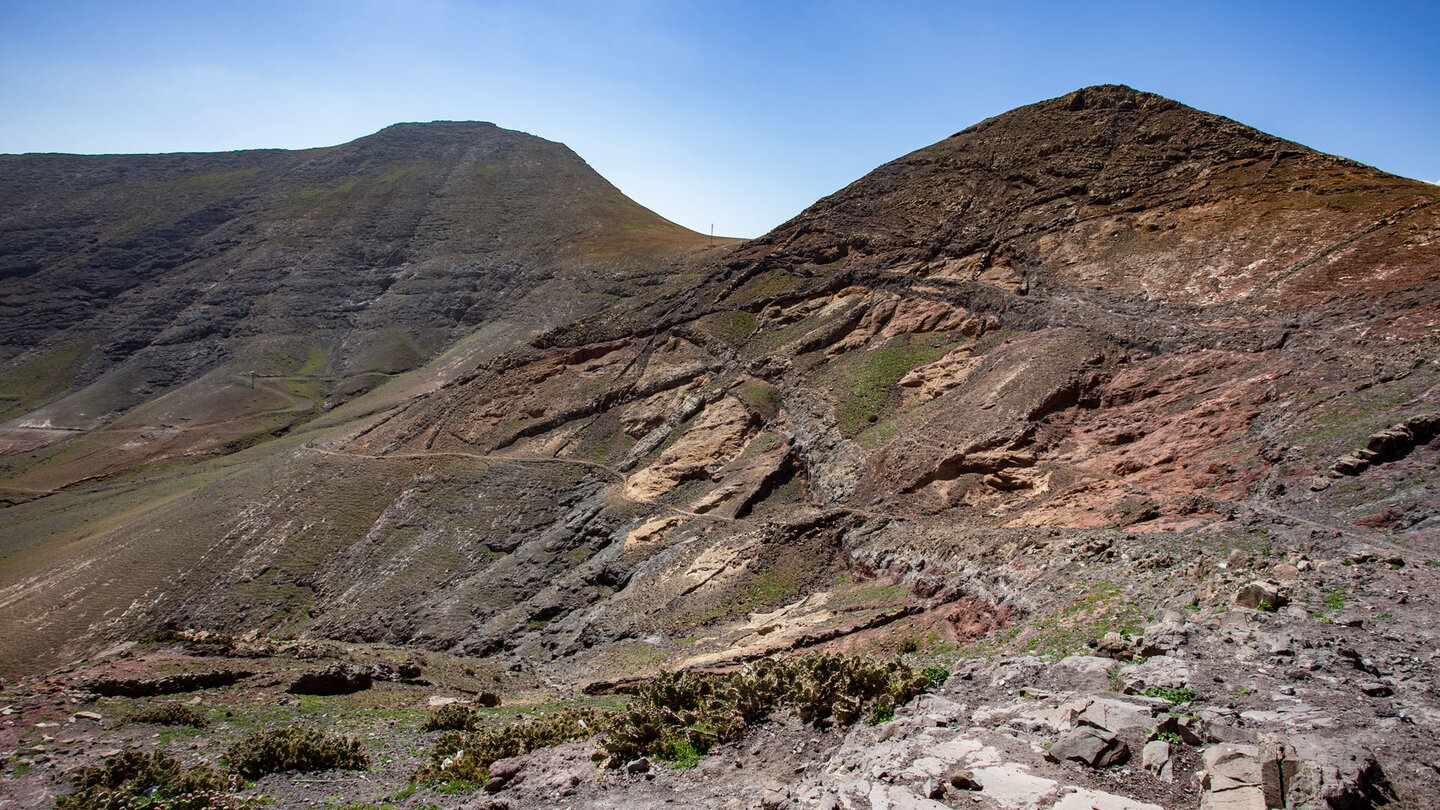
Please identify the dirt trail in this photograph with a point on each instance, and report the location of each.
(533, 460)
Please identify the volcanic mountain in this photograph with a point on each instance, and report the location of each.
(1080, 366)
(194, 303)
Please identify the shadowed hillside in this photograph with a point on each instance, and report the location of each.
(202, 302)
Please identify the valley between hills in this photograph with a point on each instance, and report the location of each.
(1088, 458)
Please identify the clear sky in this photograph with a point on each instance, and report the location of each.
(728, 112)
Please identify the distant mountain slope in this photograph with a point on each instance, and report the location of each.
(319, 273)
(1104, 314)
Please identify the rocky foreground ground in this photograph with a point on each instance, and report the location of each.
(1293, 678)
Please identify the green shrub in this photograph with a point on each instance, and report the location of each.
(465, 756)
(936, 675)
(294, 748)
(169, 714)
(154, 780)
(452, 718)
(1182, 695)
(674, 711)
(676, 718)
(680, 754)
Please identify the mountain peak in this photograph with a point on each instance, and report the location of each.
(1089, 189)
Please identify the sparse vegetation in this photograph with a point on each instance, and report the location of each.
(452, 718)
(675, 718)
(683, 755)
(156, 780)
(863, 382)
(294, 748)
(678, 712)
(881, 714)
(1173, 696)
(465, 756)
(169, 714)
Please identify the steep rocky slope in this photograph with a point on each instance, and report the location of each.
(1071, 378)
(199, 302)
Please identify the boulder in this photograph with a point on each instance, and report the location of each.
(1155, 757)
(1164, 671)
(1229, 765)
(1113, 645)
(1261, 595)
(1243, 776)
(1188, 729)
(508, 768)
(1116, 715)
(169, 685)
(1090, 746)
(1087, 664)
(1349, 465)
(1332, 774)
(338, 679)
(1285, 571)
(404, 671)
(1164, 636)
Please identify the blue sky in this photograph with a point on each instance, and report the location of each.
(728, 112)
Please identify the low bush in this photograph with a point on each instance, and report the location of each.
(294, 748)
(452, 718)
(169, 714)
(675, 714)
(466, 755)
(153, 780)
(676, 718)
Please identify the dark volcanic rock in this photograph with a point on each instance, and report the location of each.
(169, 685)
(336, 680)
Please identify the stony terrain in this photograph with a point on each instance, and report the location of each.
(1124, 414)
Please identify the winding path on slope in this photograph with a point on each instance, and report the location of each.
(529, 460)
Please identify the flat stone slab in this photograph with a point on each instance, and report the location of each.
(1086, 799)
